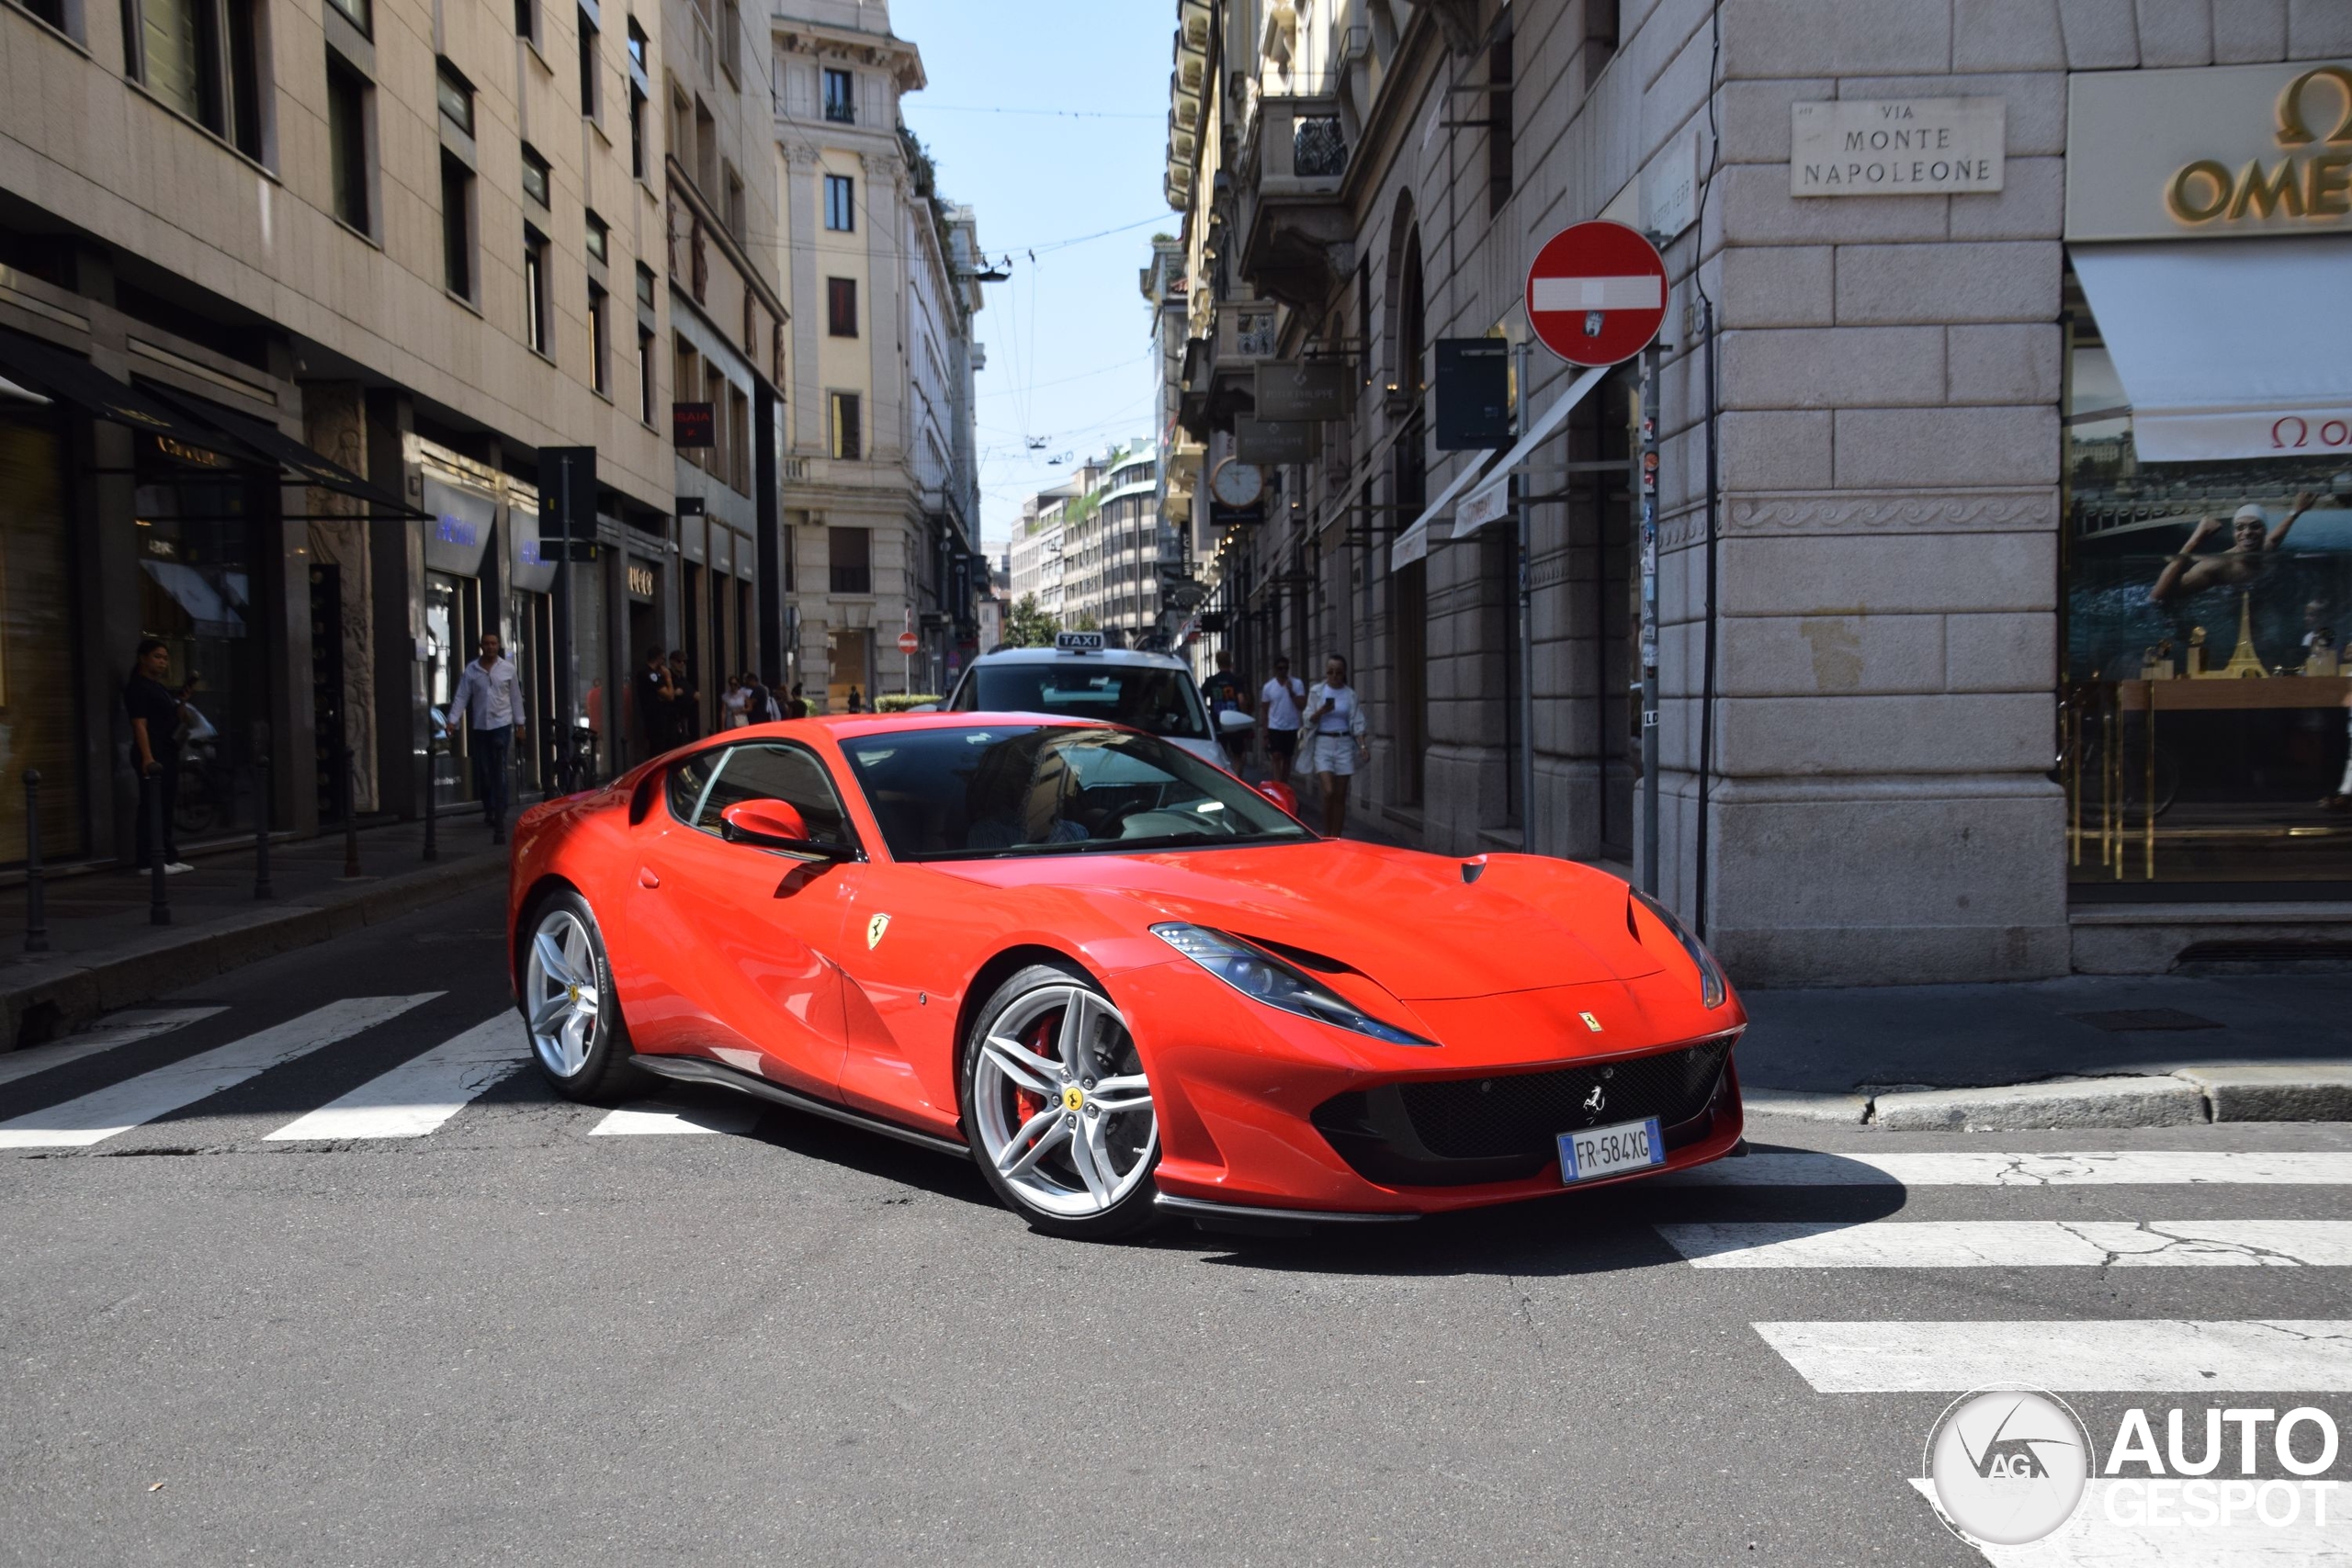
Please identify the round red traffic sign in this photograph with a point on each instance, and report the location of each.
(908, 642)
(1596, 293)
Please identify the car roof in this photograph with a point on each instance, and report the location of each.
(847, 726)
(1126, 656)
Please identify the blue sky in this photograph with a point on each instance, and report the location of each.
(1068, 337)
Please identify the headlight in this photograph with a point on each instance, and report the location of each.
(1712, 987)
(1261, 976)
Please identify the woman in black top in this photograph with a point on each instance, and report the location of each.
(154, 710)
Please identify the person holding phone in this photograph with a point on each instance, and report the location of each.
(157, 714)
(1336, 727)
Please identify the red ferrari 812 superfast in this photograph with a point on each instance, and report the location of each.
(1122, 980)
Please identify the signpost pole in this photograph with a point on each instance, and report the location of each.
(1520, 358)
(1649, 867)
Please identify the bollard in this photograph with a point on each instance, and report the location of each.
(262, 888)
(36, 896)
(432, 799)
(159, 902)
(350, 820)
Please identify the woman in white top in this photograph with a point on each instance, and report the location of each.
(738, 702)
(1336, 722)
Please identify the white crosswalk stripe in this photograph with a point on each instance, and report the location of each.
(118, 1029)
(132, 1103)
(654, 1118)
(2145, 1356)
(2101, 1167)
(418, 1096)
(2016, 1244)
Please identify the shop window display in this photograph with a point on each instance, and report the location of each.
(37, 723)
(2207, 693)
(195, 540)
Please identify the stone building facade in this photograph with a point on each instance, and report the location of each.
(1919, 721)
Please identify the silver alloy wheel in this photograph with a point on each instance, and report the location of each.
(559, 993)
(1065, 1113)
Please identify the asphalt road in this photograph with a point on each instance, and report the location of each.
(515, 1339)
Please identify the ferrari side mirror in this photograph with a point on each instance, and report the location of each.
(1282, 794)
(1233, 720)
(775, 825)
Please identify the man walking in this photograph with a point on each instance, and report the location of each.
(1278, 718)
(488, 701)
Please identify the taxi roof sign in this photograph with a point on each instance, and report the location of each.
(1078, 642)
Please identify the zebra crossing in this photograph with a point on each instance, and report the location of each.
(2299, 1360)
(416, 1098)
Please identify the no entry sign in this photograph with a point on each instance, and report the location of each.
(908, 642)
(1596, 294)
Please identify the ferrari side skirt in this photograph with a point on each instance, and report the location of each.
(693, 1069)
(1210, 1213)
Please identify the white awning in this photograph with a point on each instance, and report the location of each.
(1479, 509)
(1414, 542)
(2228, 348)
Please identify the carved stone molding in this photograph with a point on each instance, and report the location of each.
(1892, 511)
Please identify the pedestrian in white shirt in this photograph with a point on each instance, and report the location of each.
(737, 702)
(1335, 714)
(1279, 702)
(488, 701)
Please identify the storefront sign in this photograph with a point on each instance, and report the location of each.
(460, 529)
(1896, 147)
(527, 568)
(1266, 441)
(641, 581)
(2216, 152)
(1305, 389)
(694, 424)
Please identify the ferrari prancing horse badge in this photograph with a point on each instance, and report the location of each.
(874, 929)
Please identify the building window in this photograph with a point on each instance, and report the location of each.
(841, 306)
(347, 141)
(591, 100)
(526, 20)
(360, 14)
(1498, 131)
(682, 127)
(53, 13)
(730, 39)
(636, 131)
(599, 240)
(739, 440)
(850, 552)
(713, 392)
(840, 96)
(535, 326)
(734, 205)
(535, 175)
(848, 438)
(706, 164)
(645, 374)
(600, 340)
(841, 204)
(457, 97)
(457, 227)
(201, 58)
(644, 287)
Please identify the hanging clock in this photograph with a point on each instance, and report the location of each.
(1238, 484)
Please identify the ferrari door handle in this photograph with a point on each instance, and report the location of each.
(645, 877)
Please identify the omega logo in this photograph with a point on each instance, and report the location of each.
(2316, 187)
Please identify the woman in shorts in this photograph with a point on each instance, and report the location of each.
(1335, 740)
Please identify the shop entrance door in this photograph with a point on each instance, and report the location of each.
(453, 630)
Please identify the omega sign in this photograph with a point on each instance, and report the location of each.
(2213, 154)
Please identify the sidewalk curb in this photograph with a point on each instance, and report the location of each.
(70, 989)
(2241, 1091)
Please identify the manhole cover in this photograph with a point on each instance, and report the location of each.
(2128, 1020)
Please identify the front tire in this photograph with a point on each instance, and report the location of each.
(1056, 1107)
(569, 1008)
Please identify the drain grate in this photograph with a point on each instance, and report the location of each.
(2130, 1021)
(2258, 950)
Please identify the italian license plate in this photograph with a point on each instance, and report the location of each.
(1606, 1151)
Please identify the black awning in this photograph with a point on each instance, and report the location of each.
(283, 450)
(53, 372)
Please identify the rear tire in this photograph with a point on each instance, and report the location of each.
(1057, 1108)
(578, 1037)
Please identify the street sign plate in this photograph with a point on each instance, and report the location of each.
(908, 642)
(1596, 293)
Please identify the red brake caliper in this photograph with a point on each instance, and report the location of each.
(1024, 1103)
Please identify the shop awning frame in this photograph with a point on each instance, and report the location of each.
(67, 379)
(309, 466)
(1413, 544)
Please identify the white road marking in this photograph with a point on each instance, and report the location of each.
(2093, 1540)
(2098, 1167)
(118, 1028)
(2159, 1355)
(2014, 1244)
(120, 1107)
(419, 1095)
(655, 1118)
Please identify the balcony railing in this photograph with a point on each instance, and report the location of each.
(1293, 162)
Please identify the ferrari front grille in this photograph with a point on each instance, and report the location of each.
(1460, 1132)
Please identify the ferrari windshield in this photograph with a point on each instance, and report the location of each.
(994, 790)
(1142, 696)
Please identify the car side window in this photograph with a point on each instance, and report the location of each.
(779, 772)
(689, 781)
(966, 698)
